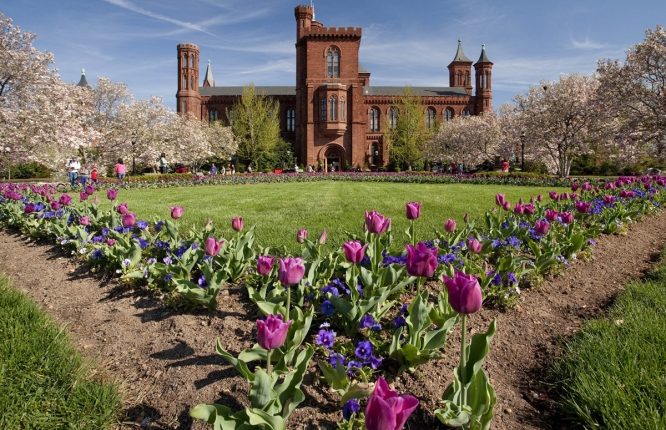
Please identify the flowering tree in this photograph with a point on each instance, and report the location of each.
(471, 140)
(635, 91)
(559, 119)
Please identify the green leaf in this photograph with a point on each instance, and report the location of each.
(239, 365)
(257, 417)
(261, 392)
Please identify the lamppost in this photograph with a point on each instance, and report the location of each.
(522, 151)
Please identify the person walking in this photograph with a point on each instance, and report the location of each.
(120, 170)
(505, 166)
(213, 170)
(94, 174)
(73, 167)
(164, 166)
(83, 175)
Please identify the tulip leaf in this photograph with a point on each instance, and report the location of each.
(261, 393)
(220, 416)
(239, 365)
(257, 417)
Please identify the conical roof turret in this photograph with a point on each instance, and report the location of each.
(460, 55)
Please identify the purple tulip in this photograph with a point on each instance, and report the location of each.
(89, 189)
(55, 206)
(272, 332)
(574, 187)
(110, 241)
(464, 293)
(500, 199)
(323, 237)
(529, 209)
(539, 198)
(554, 195)
(506, 206)
(551, 215)
(111, 194)
(567, 217)
(237, 223)
(65, 200)
(450, 225)
(386, 409)
(291, 270)
(519, 209)
(583, 207)
(421, 260)
(29, 208)
(83, 196)
(84, 220)
(129, 219)
(625, 194)
(609, 199)
(177, 212)
(354, 251)
(413, 210)
(541, 227)
(474, 246)
(212, 246)
(265, 264)
(122, 208)
(301, 235)
(376, 223)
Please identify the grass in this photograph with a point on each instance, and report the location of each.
(44, 383)
(613, 374)
(279, 210)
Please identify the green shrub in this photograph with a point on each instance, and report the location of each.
(31, 170)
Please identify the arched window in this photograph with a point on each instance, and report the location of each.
(333, 108)
(184, 85)
(465, 112)
(291, 119)
(343, 109)
(322, 109)
(392, 117)
(192, 87)
(374, 154)
(448, 114)
(430, 117)
(184, 61)
(183, 106)
(212, 115)
(192, 61)
(333, 63)
(374, 119)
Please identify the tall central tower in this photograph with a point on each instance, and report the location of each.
(188, 100)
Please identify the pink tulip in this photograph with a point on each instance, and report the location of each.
(237, 223)
(291, 270)
(301, 235)
(583, 207)
(541, 227)
(519, 209)
(474, 246)
(386, 409)
(376, 223)
(110, 242)
(529, 209)
(554, 195)
(122, 208)
(265, 264)
(500, 199)
(323, 237)
(551, 215)
(567, 217)
(177, 212)
(272, 332)
(506, 206)
(89, 189)
(212, 246)
(84, 220)
(354, 251)
(55, 206)
(413, 210)
(421, 260)
(609, 199)
(450, 225)
(65, 200)
(464, 291)
(129, 219)
(111, 194)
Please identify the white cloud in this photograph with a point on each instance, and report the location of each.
(587, 44)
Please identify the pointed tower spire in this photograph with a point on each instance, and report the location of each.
(460, 54)
(83, 82)
(483, 58)
(209, 81)
(313, 10)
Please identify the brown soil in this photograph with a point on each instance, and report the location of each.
(166, 363)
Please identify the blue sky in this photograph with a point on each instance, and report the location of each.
(404, 42)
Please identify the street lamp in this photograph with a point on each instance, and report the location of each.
(522, 151)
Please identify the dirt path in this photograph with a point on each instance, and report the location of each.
(166, 360)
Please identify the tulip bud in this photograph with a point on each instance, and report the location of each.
(474, 246)
(265, 265)
(421, 260)
(323, 237)
(301, 235)
(354, 251)
(291, 270)
(413, 210)
(500, 200)
(272, 332)
(177, 212)
(464, 291)
(237, 223)
(450, 225)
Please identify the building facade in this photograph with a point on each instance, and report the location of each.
(333, 115)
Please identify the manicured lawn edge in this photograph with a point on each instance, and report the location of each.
(44, 381)
(612, 373)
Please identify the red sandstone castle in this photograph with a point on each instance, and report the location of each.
(333, 115)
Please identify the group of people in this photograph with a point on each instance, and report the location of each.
(229, 170)
(81, 173)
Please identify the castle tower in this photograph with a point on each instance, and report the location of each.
(460, 70)
(484, 89)
(83, 82)
(209, 81)
(188, 100)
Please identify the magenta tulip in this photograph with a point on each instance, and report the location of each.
(122, 208)
(291, 270)
(29, 208)
(376, 223)
(474, 246)
(110, 241)
(84, 220)
(609, 199)
(177, 212)
(65, 199)
(464, 293)
(567, 217)
(237, 223)
(500, 199)
(551, 215)
(519, 209)
(83, 196)
(421, 260)
(541, 227)
(574, 187)
(111, 193)
(506, 206)
(450, 225)
(539, 198)
(89, 189)
(55, 206)
(554, 195)
(413, 210)
(583, 207)
(272, 332)
(301, 235)
(354, 251)
(386, 409)
(529, 209)
(212, 246)
(129, 219)
(265, 264)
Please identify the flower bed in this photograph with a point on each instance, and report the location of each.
(360, 312)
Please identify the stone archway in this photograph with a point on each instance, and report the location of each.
(332, 156)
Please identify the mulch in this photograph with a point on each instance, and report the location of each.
(165, 360)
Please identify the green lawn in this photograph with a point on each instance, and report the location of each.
(613, 374)
(43, 382)
(279, 210)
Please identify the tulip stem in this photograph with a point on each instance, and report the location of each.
(463, 361)
(413, 232)
(286, 317)
(269, 365)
